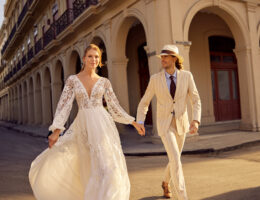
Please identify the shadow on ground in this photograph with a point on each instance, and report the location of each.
(153, 198)
(245, 194)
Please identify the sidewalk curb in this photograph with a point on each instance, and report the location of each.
(32, 134)
(200, 151)
(158, 153)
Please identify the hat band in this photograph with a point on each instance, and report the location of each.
(168, 52)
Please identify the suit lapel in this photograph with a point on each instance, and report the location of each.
(164, 84)
(178, 84)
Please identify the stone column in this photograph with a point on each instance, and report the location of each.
(20, 105)
(247, 91)
(46, 105)
(31, 117)
(118, 76)
(10, 106)
(252, 6)
(38, 103)
(5, 105)
(16, 106)
(25, 105)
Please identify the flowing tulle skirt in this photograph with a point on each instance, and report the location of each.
(86, 163)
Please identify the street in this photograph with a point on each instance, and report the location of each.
(233, 175)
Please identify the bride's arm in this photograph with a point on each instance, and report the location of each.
(114, 108)
(64, 107)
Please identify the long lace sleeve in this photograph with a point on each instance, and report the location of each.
(64, 106)
(117, 112)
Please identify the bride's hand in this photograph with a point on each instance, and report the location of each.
(140, 128)
(53, 137)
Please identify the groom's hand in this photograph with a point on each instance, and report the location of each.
(194, 126)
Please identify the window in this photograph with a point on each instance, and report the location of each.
(35, 33)
(28, 42)
(55, 8)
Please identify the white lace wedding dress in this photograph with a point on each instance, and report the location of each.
(87, 162)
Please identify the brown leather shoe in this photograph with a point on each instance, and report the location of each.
(166, 190)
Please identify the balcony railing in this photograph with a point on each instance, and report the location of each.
(64, 21)
(4, 47)
(24, 11)
(22, 14)
(14, 70)
(78, 7)
(9, 39)
(57, 27)
(30, 54)
(18, 66)
(15, 27)
(49, 35)
(24, 60)
(38, 46)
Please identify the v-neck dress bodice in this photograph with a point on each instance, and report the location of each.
(87, 162)
(75, 89)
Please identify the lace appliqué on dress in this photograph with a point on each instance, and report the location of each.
(117, 112)
(64, 106)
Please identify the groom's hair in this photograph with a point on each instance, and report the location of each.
(179, 63)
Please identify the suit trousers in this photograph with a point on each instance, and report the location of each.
(173, 143)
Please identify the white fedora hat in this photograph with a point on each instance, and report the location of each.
(169, 49)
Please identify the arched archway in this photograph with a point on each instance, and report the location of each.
(47, 97)
(130, 61)
(38, 100)
(58, 83)
(137, 67)
(75, 67)
(74, 63)
(219, 22)
(25, 102)
(234, 22)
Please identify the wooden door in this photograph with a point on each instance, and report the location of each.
(225, 86)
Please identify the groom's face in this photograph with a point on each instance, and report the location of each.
(168, 61)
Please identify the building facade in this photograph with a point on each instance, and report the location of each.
(43, 43)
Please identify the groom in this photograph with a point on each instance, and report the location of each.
(173, 88)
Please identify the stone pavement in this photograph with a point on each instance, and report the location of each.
(135, 145)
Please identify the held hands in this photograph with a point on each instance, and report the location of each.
(53, 137)
(194, 126)
(139, 127)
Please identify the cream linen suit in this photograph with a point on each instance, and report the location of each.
(172, 119)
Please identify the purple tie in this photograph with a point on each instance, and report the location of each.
(172, 87)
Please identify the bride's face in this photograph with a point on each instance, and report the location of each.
(91, 59)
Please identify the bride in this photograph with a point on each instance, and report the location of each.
(87, 162)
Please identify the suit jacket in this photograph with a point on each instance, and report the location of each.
(185, 90)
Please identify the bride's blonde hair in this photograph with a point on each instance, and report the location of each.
(95, 47)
